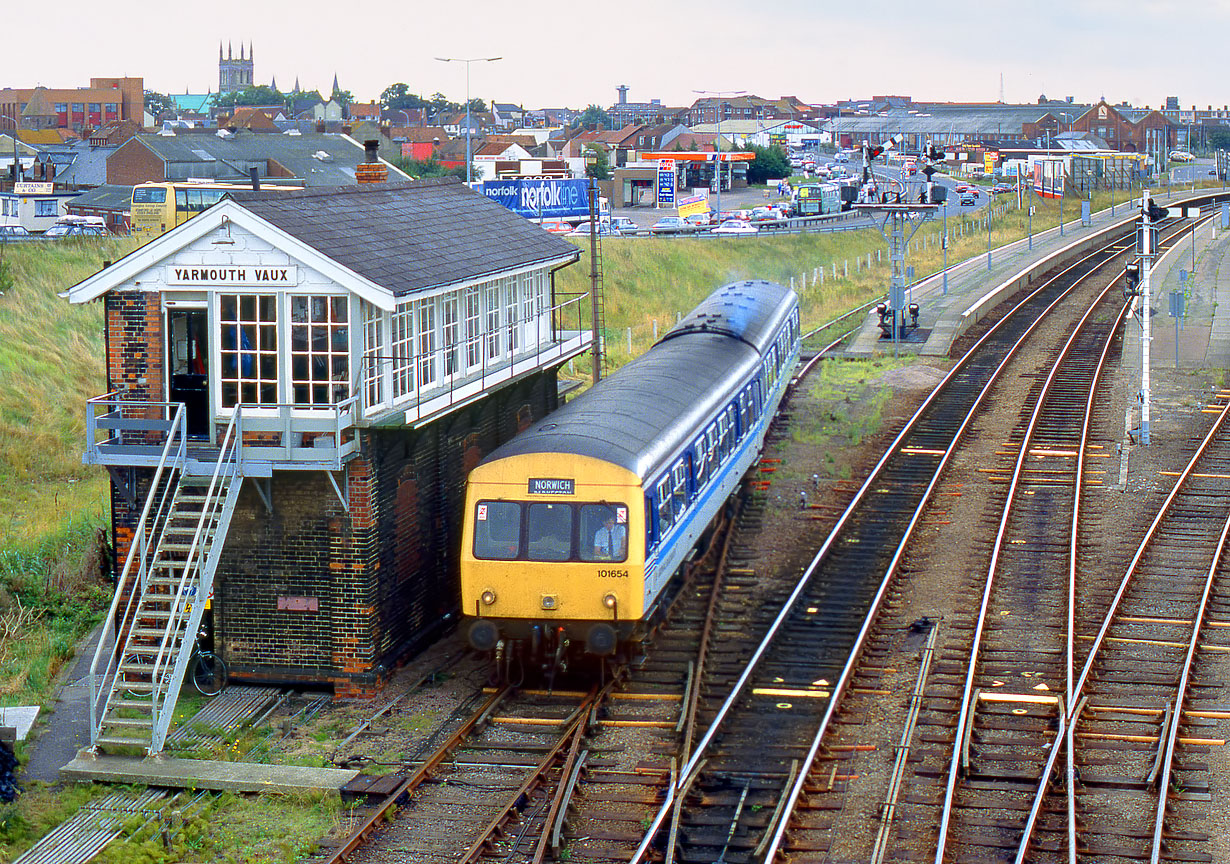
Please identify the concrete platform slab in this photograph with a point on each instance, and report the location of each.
(204, 774)
(20, 718)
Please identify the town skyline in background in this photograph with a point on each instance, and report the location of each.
(1087, 49)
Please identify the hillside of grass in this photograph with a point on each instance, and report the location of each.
(52, 508)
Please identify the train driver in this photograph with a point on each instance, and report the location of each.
(611, 540)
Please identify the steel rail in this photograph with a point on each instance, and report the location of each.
(574, 730)
(963, 727)
(413, 781)
(1069, 660)
(1018, 469)
(1155, 854)
(848, 670)
(1162, 512)
(1074, 705)
(863, 491)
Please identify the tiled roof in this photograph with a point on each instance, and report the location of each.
(106, 198)
(415, 134)
(410, 237)
(193, 153)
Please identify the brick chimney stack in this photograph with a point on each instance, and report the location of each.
(371, 169)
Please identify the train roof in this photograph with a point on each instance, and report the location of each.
(644, 413)
(751, 311)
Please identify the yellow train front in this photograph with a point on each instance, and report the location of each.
(575, 529)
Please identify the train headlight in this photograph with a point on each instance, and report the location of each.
(488, 597)
(609, 601)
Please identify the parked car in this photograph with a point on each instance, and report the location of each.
(13, 232)
(698, 220)
(75, 229)
(555, 226)
(735, 226)
(764, 214)
(624, 225)
(582, 230)
(966, 199)
(670, 225)
(1181, 156)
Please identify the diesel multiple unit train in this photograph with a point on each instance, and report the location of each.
(574, 528)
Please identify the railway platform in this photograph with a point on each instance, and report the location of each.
(973, 290)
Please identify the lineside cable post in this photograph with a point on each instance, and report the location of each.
(595, 284)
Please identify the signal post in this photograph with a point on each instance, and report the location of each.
(892, 215)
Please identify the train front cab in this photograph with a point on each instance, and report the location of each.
(535, 565)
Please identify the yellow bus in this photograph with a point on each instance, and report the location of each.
(156, 208)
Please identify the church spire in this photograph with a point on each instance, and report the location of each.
(229, 54)
(219, 50)
(336, 89)
(273, 85)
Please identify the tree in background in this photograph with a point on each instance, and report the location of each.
(156, 103)
(600, 167)
(398, 96)
(477, 105)
(259, 95)
(594, 116)
(429, 168)
(1219, 137)
(770, 163)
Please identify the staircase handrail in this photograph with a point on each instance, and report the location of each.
(173, 458)
(230, 458)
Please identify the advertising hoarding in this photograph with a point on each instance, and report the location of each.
(546, 199)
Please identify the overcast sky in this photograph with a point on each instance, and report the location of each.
(575, 52)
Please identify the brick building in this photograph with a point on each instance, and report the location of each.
(104, 101)
(1147, 132)
(347, 355)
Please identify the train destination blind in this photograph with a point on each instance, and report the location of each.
(549, 486)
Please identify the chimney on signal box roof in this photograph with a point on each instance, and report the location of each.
(371, 169)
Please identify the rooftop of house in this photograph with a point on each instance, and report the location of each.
(409, 237)
(317, 158)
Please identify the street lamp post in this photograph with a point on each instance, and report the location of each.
(717, 141)
(468, 61)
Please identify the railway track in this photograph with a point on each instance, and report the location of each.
(1018, 672)
(760, 750)
(1141, 704)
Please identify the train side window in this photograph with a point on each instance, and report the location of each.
(715, 457)
(724, 435)
(549, 532)
(680, 489)
(732, 423)
(497, 530)
(666, 517)
(701, 448)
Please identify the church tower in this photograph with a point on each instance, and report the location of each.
(234, 74)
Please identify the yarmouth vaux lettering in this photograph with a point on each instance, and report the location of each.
(178, 274)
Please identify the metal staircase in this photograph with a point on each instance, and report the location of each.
(152, 626)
